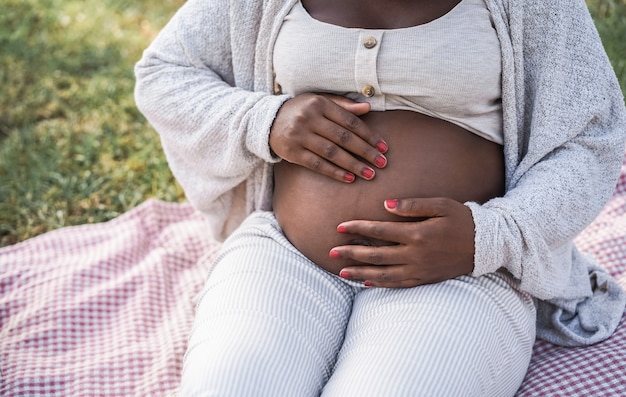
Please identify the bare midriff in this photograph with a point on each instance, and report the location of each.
(427, 157)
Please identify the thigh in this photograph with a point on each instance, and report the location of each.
(463, 337)
(268, 323)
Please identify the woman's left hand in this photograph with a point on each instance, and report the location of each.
(435, 249)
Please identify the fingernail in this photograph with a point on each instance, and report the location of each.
(344, 274)
(368, 284)
(342, 229)
(381, 161)
(367, 173)
(382, 146)
(391, 204)
(348, 177)
(334, 254)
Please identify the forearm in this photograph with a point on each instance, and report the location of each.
(529, 231)
(214, 127)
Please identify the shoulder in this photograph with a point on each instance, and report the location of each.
(563, 26)
(558, 12)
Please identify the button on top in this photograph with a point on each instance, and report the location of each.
(368, 91)
(370, 42)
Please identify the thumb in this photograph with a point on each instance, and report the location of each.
(358, 108)
(420, 207)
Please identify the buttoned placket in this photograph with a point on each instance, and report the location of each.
(366, 68)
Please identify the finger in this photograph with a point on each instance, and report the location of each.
(327, 157)
(336, 154)
(358, 108)
(370, 255)
(382, 274)
(348, 146)
(407, 283)
(420, 207)
(394, 284)
(320, 165)
(394, 232)
(353, 123)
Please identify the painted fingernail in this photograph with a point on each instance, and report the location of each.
(382, 146)
(367, 173)
(344, 274)
(342, 229)
(348, 177)
(381, 161)
(368, 284)
(334, 254)
(391, 204)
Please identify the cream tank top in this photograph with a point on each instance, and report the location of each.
(449, 68)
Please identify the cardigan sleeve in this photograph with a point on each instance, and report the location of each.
(200, 98)
(570, 140)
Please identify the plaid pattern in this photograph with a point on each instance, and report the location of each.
(598, 370)
(105, 310)
(102, 310)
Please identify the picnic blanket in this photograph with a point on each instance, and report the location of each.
(105, 309)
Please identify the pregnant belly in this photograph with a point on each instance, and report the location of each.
(427, 157)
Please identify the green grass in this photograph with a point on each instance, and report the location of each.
(610, 19)
(73, 147)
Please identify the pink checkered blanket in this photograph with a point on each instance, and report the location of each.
(105, 309)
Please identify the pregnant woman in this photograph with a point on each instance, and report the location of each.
(398, 184)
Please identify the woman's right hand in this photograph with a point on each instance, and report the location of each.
(323, 133)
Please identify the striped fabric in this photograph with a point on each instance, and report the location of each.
(273, 324)
(105, 310)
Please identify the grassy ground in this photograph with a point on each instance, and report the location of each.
(73, 147)
(610, 18)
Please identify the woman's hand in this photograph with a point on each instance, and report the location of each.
(437, 248)
(324, 133)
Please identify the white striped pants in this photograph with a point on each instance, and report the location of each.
(271, 323)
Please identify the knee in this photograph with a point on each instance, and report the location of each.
(250, 367)
(217, 369)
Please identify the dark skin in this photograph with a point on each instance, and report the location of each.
(377, 196)
(369, 14)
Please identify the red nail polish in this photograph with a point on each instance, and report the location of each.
(391, 204)
(368, 173)
(344, 274)
(348, 177)
(382, 146)
(342, 229)
(334, 254)
(368, 284)
(381, 161)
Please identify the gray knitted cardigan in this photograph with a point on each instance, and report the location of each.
(206, 86)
